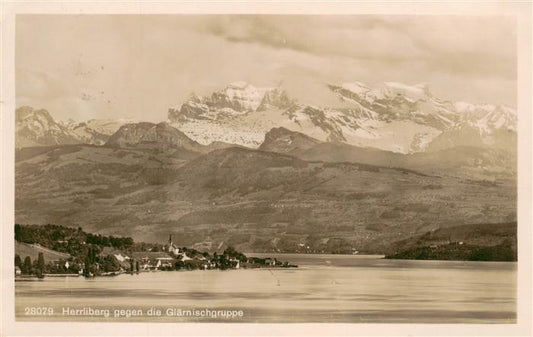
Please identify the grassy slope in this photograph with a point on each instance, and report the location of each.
(33, 250)
(256, 201)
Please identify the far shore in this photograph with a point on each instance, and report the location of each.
(368, 256)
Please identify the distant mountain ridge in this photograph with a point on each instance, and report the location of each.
(396, 117)
(95, 131)
(462, 150)
(464, 159)
(400, 102)
(282, 140)
(158, 135)
(145, 132)
(36, 127)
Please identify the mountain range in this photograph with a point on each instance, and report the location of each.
(395, 117)
(251, 199)
(38, 128)
(255, 169)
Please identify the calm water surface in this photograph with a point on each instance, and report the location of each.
(325, 288)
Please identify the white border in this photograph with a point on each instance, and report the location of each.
(521, 10)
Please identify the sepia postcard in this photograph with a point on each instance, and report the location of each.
(266, 168)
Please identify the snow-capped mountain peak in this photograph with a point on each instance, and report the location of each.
(38, 127)
(236, 99)
(487, 117)
(96, 131)
(394, 116)
(398, 101)
(248, 96)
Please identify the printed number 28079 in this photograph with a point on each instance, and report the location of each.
(36, 311)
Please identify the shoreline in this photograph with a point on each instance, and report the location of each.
(32, 278)
(23, 278)
(35, 278)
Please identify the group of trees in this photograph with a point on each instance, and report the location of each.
(110, 241)
(50, 236)
(459, 252)
(67, 239)
(94, 263)
(85, 248)
(28, 268)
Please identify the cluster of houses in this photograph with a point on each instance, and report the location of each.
(165, 259)
(150, 260)
(169, 257)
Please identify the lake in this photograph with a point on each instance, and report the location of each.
(324, 288)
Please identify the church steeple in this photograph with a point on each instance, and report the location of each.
(171, 247)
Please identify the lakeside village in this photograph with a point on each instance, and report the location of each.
(52, 250)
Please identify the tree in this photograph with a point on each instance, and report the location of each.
(137, 266)
(87, 269)
(109, 263)
(18, 261)
(18, 232)
(232, 253)
(40, 265)
(91, 255)
(40, 261)
(27, 265)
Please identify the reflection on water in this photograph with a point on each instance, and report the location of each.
(325, 288)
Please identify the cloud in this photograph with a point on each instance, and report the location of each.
(138, 66)
(475, 40)
(354, 36)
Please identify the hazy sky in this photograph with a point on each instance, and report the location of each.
(105, 66)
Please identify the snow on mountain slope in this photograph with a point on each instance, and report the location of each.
(247, 130)
(418, 108)
(238, 98)
(108, 126)
(248, 97)
(37, 127)
(395, 117)
(487, 118)
(397, 101)
(95, 131)
(239, 114)
(207, 132)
